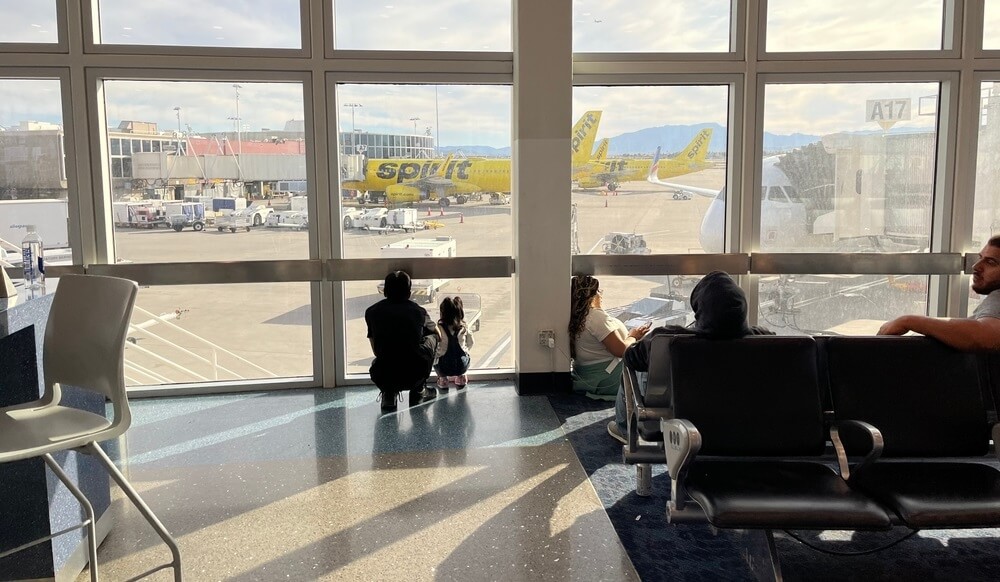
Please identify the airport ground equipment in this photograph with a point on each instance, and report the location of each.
(439, 246)
(394, 220)
(297, 216)
(374, 217)
(182, 214)
(48, 215)
(253, 215)
(625, 243)
(143, 214)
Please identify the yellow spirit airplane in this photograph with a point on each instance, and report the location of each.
(611, 173)
(601, 153)
(411, 180)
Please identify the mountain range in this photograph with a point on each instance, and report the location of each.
(671, 138)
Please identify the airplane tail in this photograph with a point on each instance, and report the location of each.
(697, 150)
(601, 153)
(583, 136)
(654, 168)
(440, 173)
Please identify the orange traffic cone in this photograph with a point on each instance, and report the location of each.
(442, 211)
(461, 218)
(428, 210)
(605, 202)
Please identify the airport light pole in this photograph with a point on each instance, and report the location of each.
(414, 120)
(239, 128)
(177, 110)
(354, 134)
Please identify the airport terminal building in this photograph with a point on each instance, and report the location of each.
(258, 167)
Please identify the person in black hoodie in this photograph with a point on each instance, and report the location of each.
(720, 312)
(404, 339)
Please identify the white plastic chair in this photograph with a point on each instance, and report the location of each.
(84, 347)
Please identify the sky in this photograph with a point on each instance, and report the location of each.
(467, 115)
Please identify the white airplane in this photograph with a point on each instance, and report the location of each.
(782, 213)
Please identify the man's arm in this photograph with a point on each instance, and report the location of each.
(961, 334)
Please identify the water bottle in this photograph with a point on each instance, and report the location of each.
(31, 259)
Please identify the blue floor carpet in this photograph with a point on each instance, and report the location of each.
(661, 551)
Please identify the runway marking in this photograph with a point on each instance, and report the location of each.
(495, 352)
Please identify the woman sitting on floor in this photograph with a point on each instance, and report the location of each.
(597, 341)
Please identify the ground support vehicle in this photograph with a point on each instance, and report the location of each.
(439, 246)
(253, 215)
(499, 198)
(234, 222)
(181, 214)
(139, 214)
(350, 217)
(296, 217)
(375, 217)
(625, 243)
(395, 220)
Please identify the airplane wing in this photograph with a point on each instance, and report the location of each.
(679, 188)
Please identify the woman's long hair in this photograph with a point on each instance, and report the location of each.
(582, 291)
(452, 312)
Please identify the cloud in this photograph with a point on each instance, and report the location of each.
(30, 100)
(469, 114)
(443, 25)
(31, 22)
(628, 26)
(205, 106)
(795, 25)
(221, 23)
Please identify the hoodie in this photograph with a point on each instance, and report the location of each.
(720, 312)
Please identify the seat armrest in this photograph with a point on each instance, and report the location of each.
(630, 383)
(874, 437)
(682, 443)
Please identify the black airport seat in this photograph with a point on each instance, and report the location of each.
(932, 405)
(748, 439)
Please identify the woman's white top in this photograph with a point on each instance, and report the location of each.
(589, 349)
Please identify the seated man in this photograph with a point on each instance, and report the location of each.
(403, 339)
(720, 312)
(981, 332)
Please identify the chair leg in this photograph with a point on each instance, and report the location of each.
(643, 479)
(144, 509)
(87, 508)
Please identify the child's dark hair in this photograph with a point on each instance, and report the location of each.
(452, 312)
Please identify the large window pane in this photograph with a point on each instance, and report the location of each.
(848, 167)
(32, 169)
(488, 313)
(681, 26)
(853, 25)
(210, 191)
(204, 23)
(621, 205)
(986, 219)
(991, 25)
(423, 25)
(30, 22)
(838, 304)
(206, 333)
(453, 182)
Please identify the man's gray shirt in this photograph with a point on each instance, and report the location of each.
(990, 307)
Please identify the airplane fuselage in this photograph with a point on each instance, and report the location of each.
(412, 180)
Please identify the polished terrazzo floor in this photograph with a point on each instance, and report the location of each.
(480, 484)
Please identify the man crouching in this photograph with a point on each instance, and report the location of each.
(403, 338)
